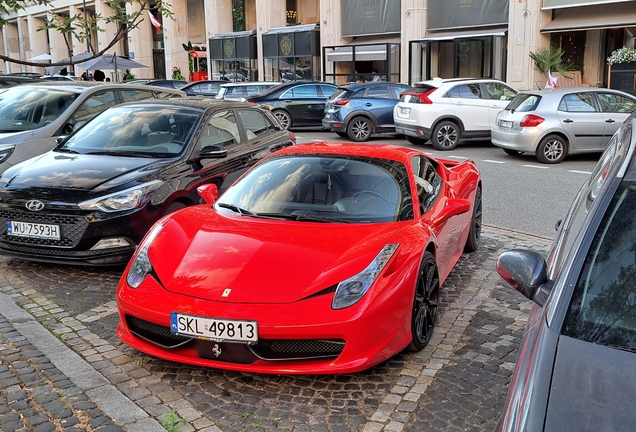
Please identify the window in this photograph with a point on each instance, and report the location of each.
(615, 103)
(465, 91)
(204, 88)
(94, 105)
(498, 91)
(135, 95)
(578, 102)
(255, 123)
(221, 130)
(327, 90)
(398, 90)
(301, 91)
(379, 92)
(428, 182)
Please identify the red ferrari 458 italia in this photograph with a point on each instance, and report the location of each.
(322, 258)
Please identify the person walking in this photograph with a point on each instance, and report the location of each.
(128, 75)
(176, 74)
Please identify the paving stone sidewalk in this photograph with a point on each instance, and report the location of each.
(62, 366)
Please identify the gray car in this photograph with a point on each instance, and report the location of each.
(32, 116)
(575, 370)
(562, 121)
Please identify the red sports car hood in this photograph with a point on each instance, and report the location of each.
(262, 261)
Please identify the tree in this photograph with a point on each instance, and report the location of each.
(81, 28)
(551, 60)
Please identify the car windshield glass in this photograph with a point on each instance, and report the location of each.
(136, 130)
(27, 108)
(603, 306)
(325, 189)
(524, 103)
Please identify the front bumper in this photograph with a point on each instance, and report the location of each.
(148, 307)
(413, 131)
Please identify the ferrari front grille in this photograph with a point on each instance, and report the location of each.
(155, 333)
(298, 349)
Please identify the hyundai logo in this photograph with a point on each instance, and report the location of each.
(34, 205)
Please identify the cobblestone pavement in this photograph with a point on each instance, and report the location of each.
(63, 368)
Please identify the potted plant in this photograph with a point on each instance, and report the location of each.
(622, 56)
(551, 60)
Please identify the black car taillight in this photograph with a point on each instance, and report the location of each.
(417, 97)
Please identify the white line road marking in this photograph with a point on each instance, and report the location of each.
(457, 157)
(494, 161)
(580, 172)
(537, 166)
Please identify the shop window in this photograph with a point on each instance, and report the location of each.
(292, 12)
(238, 15)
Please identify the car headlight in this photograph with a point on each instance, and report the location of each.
(348, 292)
(6, 151)
(125, 200)
(141, 265)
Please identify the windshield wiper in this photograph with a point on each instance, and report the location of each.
(66, 150)
(300, 217)
(236, 209)
(120, 153)
(619, 347)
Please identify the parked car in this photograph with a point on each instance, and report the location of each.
(174, 84)
(58, 78)
(25, 74)
(244, 90)
(93, 198)
(314, 249)
(563, 121)
(577, 356)
(33, 115)
(230, 77)
(358, 111)
(297, 103)
(448, 110)
(7, 81)
(202, 88)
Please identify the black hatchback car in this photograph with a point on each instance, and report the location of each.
(300, 103)
(92, 198)
(358, 111)
(576, 363)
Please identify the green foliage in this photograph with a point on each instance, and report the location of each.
(171, 420)
(622, 55)
(550, 59)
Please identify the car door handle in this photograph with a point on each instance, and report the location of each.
(287, 100)
(568, 121)
(610, 121)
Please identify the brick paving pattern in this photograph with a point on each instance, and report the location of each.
(457, 383)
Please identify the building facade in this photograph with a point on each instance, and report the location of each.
(346, 40)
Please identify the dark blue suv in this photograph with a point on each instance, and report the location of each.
(358, 111)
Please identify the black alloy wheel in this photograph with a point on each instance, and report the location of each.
(359, 129)
(425, 304)
(474, 235)
(445, 135)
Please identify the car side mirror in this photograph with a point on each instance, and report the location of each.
(557, 225)
(209, 192)
(527, 272)
(59, 140)
(213, 151)
(452, 207)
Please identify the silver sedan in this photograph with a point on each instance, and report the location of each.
(554, 123)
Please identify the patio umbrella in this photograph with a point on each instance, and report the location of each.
(110, 61)
(41, 57)
(78, 57)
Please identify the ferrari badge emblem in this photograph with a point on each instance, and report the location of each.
(216, 350)
(226, 292)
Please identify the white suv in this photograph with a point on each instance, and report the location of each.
(447, 110)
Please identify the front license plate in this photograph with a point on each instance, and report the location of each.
(505, 124)
(33, 230)
(405, 111)
(218, 330)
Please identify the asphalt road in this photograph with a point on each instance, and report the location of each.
(519, 192)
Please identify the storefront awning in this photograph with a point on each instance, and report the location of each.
(234, 34)
(363, 53)
(463, 35)
(290, 29)
(594, 18)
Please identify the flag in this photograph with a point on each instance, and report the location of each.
(552, 81)
(155, 22)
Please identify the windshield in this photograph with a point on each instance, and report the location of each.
(28, 108)
(322, 189)
(524, 103)
(603, 306)
(136, 131)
